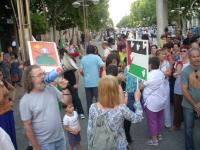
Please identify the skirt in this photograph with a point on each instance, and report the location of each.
(8, 124)
(73, 139)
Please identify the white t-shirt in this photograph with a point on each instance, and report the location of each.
(107, 52)
(5, 141)
(154, 91)
(71, 121)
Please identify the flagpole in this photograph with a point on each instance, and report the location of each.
(137, 83)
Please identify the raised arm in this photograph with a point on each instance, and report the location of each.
(129, 115)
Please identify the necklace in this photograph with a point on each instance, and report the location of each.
(196, 74)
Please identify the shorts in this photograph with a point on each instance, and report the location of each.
(73, 139)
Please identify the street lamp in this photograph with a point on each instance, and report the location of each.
(178, 10)
(194, 10)
(77, 4)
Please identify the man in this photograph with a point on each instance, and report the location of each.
(107, 49)
(89, 68)
(40, 112)
(190, 85)
(188, 40)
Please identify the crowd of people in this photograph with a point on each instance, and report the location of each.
(115, 98)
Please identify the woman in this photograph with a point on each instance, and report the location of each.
(5, 141)
(176, 51)
(165, 67)
(6, 114)
(153, 96)
(178, 96)
(154, 49)
(108, 90)
(131, 86)
(72, 76)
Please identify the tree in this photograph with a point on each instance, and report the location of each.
(125, 22)
(143, 12)
(39, 24)
(177, 14)
(62, 15)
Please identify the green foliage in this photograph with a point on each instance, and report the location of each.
(185, 14)
(143, 12)
(62, 15)
(124, 22)
(98, 15)
(39, 24)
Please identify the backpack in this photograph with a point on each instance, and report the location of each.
(103, 138)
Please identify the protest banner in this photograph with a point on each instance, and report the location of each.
(137, 58)
(44, 54)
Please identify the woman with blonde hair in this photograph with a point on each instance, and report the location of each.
(114, 113)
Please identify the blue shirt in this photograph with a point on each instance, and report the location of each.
(131, 81)
(90, 64)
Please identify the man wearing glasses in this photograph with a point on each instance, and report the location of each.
(39, 110)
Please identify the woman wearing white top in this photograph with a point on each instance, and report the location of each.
(178, 96)
(5, 141)
(153, 95)
(166, 69)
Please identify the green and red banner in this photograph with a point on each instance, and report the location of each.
(137, 58)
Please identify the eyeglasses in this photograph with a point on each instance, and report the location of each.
(39, 75)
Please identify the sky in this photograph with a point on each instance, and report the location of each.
(118, 9)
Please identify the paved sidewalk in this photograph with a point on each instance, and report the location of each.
(139, 132)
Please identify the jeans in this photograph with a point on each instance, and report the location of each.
(58, 145)
(90, 93)
(189, 116)
(76, 101)
(131, 101)
(127, 123)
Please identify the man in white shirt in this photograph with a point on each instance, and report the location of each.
(107, 49)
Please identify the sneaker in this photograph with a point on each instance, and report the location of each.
(153, 143)
(82, 116)
(160, 138)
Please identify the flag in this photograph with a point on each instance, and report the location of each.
(61, 41)
(139, 47)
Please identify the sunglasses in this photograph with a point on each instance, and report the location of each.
(196, 74)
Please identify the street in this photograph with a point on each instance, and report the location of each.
(171, 140)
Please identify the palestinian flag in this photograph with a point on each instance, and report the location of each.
(138, 58)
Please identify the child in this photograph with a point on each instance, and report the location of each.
(72, 126)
